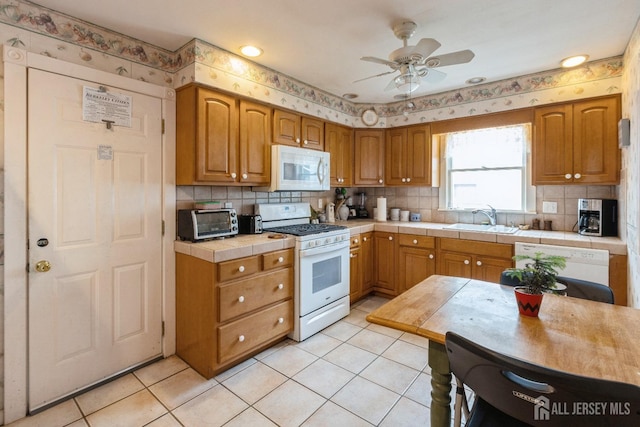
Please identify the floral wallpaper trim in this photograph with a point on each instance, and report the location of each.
(49, 23)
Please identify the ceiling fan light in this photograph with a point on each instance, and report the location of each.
(574, 61)
(407, 82)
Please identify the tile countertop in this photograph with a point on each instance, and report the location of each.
(254, 244)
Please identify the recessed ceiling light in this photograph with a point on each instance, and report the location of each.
(251, 51)
(574, 61)
(475, 80)
(350, 96)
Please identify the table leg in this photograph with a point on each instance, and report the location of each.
(440, 385)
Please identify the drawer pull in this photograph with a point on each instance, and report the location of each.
(430, 256)
(352, 256)
(241, 338)
(281, 286)
(281, 320)
(364, 239)
(466, 262)
(241, 268)
(478, 263)
(415, 241)
(280, 259)
(241, 298)
(355, 241)
(390, 237)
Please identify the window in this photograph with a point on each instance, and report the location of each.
(488, 167)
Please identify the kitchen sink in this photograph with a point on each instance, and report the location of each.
(482, 228)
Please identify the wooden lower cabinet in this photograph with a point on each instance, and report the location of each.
(355, 269)
(385, 277)
(416, 259)
(361, 266)
(226, 312)
(473, 259)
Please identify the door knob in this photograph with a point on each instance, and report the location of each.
(43, 266)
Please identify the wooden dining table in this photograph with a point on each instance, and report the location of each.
(578, 336)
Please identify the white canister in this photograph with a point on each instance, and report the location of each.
(395, 214)
(404, 216)
(331, 212)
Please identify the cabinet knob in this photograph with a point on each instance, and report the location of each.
(233, 175)
(298, 140)
(305, 142)
(241, 338)
(380, 181)
(355, 240)
(281, 286)
(280, 320)
(478, 263)
(577, 176)
(280, 259)
(390, 237)
(245, 176)
(408, 179)
(415, 241)
(241, 268)
(568, 176)
(430, 256)
(364, 239)
(241, 298)
(404, 180)
(352, 256)
(466, 262)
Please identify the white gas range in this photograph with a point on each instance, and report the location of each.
(321, 293)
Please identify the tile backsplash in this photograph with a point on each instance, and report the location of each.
(423, 200)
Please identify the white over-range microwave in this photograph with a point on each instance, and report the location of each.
(298, 169)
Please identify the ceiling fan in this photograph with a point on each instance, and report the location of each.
(414, 63)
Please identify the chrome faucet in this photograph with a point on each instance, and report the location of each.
(491, 214)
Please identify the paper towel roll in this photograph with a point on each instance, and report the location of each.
(382, 209)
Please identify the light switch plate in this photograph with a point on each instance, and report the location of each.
(549, 207)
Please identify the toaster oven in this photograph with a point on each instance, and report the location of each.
(196, 225)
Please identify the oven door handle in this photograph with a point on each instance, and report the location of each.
(324, 249)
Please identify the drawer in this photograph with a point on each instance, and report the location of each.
(496, 250)
(238, 268)
(243, 335)
(277, 259)
(238, 298)
(355, 241)
(413, 240)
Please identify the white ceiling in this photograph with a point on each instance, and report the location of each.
(320, 42)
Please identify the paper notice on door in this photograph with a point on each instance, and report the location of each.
(105, 152)
(101, 106)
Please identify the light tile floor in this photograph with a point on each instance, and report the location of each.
(353, 373)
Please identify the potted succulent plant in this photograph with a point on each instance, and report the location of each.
(536, 277)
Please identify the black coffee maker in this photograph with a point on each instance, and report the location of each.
(598, 217)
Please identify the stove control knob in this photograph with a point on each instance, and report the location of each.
(311, 243)
(327, 240)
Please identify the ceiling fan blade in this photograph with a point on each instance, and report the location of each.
(460, 57)
(433, 76)
(426, 47)
(377, 75)
(380, 61)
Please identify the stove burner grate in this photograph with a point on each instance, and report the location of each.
(306, 229)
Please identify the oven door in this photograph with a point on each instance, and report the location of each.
(323, 276)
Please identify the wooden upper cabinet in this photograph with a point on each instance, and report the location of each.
(255, 143)
(338, 141)
(369, 158)
(220, 140)
(408, 156)
(293, 129)
(577, 143)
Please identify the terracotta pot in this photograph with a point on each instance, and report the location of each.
(528, 304)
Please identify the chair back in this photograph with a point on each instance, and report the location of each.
(505, 279)
(587, 290)
(541, 396)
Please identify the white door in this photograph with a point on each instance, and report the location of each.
(96, 219)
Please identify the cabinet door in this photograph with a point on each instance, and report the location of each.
(312, 133)
(418, 153)
(596, 158)
(552, 145)
(255, 145)
(355, 274)
(338, 141)
(454, 264)
(366, 254)
(414, 265)
(395, 161)
(286, 128)
(490, 269)
(369, 158)
(217, 137)
(385, 277)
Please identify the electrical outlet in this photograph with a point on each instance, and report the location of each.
(549, 207)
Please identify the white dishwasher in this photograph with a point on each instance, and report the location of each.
(583, 264)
